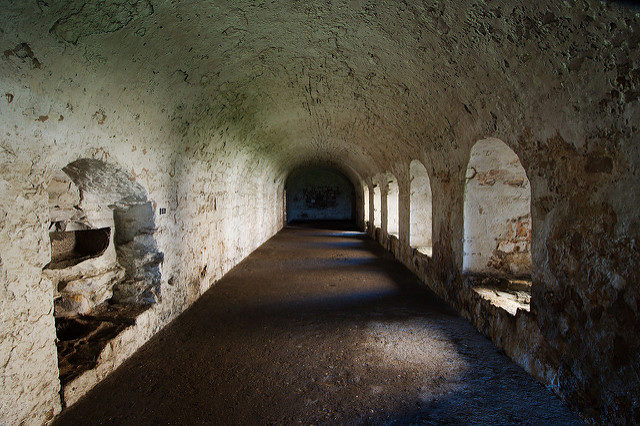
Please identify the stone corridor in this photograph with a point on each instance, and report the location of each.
(318, 325)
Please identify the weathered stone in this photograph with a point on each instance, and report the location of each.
(81, 18)
(203, 109)
(81, 295)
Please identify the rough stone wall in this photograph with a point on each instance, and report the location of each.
(209, 105)
(583, 228)
(597, 382)
(62, 102)
(497, 212)
(319, 194)
(28, 354)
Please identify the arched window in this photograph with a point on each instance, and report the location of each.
(392, 206)
(377, 204)
(366, 203)
(421, 213)
(497, 224)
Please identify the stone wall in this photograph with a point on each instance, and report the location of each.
(70, 105)
(584, 357)
(210, 105)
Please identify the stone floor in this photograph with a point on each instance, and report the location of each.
(319, 326)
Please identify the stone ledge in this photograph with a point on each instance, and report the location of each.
(86, 342)
(518, 334)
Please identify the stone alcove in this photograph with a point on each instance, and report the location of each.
(497, 226)
(105, 263)
(420, 213)
(393, 200)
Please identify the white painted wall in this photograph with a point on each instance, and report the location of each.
(420, 204)
(393, 194)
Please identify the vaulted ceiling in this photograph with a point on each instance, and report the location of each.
(361, 84)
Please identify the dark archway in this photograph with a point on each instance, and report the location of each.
(319, 194)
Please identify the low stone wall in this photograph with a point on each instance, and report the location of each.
(519, 336)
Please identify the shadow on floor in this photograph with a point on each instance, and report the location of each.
(300, 333)
(330, 225)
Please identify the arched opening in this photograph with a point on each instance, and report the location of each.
(377, 206)
(319, 194)
(104, 259)
(393, 194)
(497, 225)
(366, 205)
(420, 209)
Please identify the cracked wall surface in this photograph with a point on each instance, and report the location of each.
(210, 105)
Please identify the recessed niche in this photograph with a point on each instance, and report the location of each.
(102, 285)
(508, 293)
(69, 248)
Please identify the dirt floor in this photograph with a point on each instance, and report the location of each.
(319, 326)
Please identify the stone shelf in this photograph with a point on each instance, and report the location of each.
(509, 294)
(82, 338)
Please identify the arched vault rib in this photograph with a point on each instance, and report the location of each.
(348, 171)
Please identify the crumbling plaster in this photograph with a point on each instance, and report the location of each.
(210, 104)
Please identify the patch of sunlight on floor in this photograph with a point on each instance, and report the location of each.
(419, 347)
(342, 234)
